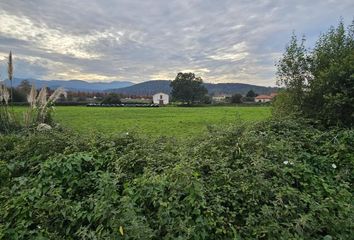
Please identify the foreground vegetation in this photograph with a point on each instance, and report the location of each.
(178, 122)
(271, 180)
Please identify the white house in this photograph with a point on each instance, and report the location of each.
(160, 98)
(221, 98)
(263, 98)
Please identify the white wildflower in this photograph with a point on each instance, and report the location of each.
(334, 166)
(286, 162)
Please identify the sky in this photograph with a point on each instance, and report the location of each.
(139, 40)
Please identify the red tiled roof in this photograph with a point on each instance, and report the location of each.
(263, 97)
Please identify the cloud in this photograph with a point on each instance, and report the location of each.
(222, 41)
(54, 40)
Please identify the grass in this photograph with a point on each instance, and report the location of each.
(179, 122)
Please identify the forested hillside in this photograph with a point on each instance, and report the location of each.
(155, 86)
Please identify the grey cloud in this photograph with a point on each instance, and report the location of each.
(138, 40)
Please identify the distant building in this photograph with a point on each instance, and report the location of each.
(221, 98)
(263, 98)
(161, 98)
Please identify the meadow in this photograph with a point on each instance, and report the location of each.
(164, 121)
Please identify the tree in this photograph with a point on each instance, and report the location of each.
(187, 88)
(319, 84)
(251, 94)
(293, 72)
(331, 92)
(24, 86)
(18, 96)
(206, 99)
(111, 98)
(236, 98)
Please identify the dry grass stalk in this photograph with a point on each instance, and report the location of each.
(10, 68)
(56, 95)
(4, 94)
(42, 97)
(1, 94)
(44, 105)
(6, 119)
(31, 97)
(10, 72)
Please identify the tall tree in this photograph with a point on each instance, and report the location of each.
(319, 84)
(251, 94)
(188, 88)
(24, 87)
(294, 71)
(331, 92)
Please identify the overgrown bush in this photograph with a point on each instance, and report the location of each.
(319, 83)
(271, 180)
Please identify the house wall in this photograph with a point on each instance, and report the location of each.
(263, 100)
(160, 96)
(219, 99)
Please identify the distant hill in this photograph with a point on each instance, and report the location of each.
(147, 88)
(74, 85)
(151, 87)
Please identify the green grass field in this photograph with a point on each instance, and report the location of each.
(165, 121)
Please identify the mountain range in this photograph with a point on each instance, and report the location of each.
(147, 88)
(154, 86)
(74, 85)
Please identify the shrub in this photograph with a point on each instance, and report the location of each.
(271, 180)
(112, 98)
